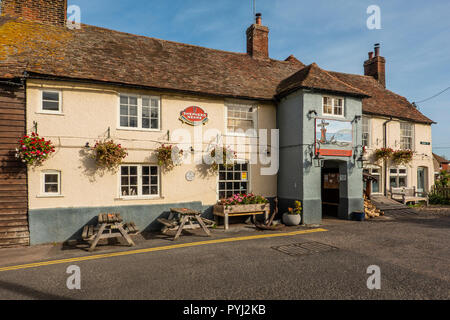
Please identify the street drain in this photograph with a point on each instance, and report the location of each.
(299, 249)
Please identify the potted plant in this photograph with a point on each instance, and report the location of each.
(383, 153)
(168, 156)
(34, 150)
(293, 216)
(400, 157)
(242, 203)
(227, 160)
(108, 154)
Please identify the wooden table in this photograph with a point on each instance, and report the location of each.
(179, 223)
(109, 226)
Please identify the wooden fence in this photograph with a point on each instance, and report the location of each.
(441, 191)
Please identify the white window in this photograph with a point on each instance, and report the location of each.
(375, 182)
(241, 118)
(233, 180)
(51, 101)
(398, 177)
(406, 136)
(333, 106)
(139, 112)
(139, 181)
(366, 132)
(51, 183)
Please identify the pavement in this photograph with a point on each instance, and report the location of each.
(412, 252)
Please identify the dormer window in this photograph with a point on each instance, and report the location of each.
(333, 106)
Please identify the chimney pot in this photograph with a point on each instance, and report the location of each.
(370, 55)
(377, 49)
(259, 19)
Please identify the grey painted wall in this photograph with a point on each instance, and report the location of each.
(299, 177)
(62, 224)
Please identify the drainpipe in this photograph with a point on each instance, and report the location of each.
(385, 161)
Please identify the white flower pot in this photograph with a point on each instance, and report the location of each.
(292, 219)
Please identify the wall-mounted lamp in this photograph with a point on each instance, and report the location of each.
(310, 112)
(319, 161)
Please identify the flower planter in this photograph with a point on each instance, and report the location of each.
(292, 219)
(227, 211)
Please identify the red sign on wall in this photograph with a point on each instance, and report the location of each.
(194, 116)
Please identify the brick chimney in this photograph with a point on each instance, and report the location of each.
(52, 12)
(258, 39)
(375, 66)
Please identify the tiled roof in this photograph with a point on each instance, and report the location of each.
(313, 77)
(440, 159)
(99, 54)
(382, 102)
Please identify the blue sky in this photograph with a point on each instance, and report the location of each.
(415, 37)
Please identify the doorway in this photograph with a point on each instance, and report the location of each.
(330, 191)
(421, 179)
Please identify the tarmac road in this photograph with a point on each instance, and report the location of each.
(413, 255)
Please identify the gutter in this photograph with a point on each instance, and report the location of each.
(385, 146)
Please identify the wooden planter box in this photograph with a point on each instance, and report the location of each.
(240, 210)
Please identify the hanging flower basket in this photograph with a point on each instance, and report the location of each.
(400, 157)
(226, 160)
(383, 153)
(108, 154)
(34, 150)
(169, 156)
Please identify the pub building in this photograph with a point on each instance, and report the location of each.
(77, 86)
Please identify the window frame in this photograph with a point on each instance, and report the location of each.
(255, 119)
(139, 112)
(60, 102)
(249, 174)
(403, 136)
(397, 176)
(139, 196)
(333, 114)
(43, 193)
(369, 123)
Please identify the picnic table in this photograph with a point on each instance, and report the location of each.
(110, 225)
(182, 218)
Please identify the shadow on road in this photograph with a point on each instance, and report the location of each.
(28, 292)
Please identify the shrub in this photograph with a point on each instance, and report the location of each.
(108, 154)
(33, 150)
(438, 199)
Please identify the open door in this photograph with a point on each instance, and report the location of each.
(330, 191)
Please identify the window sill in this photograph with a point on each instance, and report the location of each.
(333, 116)
(49, 196)
(233, 134)
(138, 129)
(51, 113)
(139, 198)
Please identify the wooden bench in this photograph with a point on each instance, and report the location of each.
(110, 225)
(406, 195)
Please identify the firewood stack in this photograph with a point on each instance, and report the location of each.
(370, 210)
